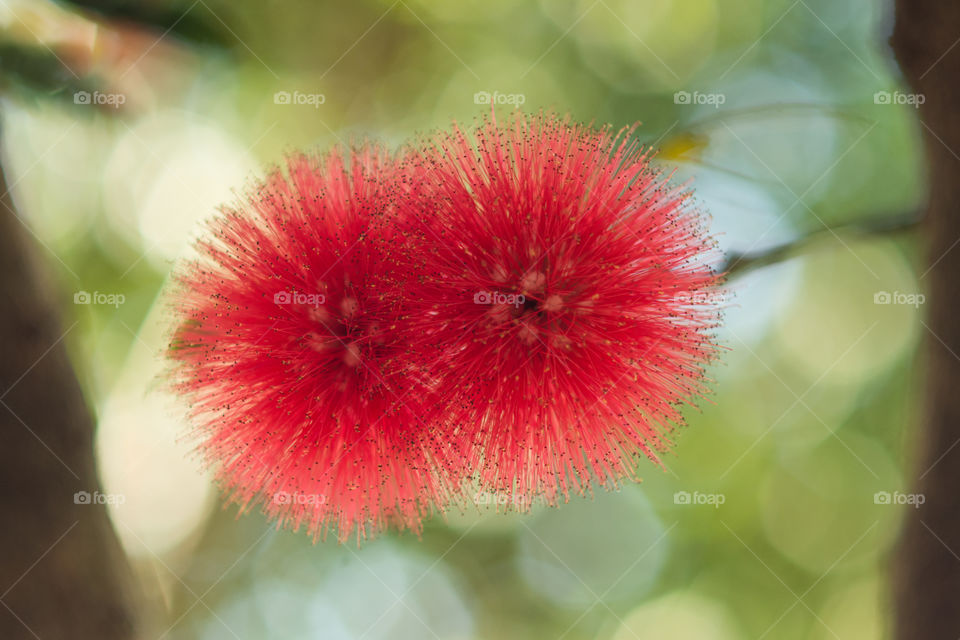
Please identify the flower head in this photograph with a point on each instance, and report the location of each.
(526, 306)
(287, 346)
(558, 299)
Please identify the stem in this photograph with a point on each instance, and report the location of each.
(737, 264)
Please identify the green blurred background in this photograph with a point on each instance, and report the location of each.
(782, 132)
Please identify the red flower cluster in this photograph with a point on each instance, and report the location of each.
(519, 310)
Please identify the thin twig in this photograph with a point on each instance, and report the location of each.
(736, 264)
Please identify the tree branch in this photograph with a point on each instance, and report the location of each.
(927, 574)
(737, 264)
(64, 574)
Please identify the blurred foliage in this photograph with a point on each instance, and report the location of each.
(806, 424)
(177, 19)
(32, 73)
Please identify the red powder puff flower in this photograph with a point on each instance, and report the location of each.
(286, 347)
(561, 297)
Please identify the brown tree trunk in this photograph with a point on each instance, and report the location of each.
(927, 569)
(63, 573)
